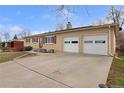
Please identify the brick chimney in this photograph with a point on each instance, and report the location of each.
(69, 25)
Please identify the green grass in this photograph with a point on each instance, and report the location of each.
(116, 74)
(7, 56)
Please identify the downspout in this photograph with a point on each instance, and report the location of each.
(109, 32)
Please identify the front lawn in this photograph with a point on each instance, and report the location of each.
(7, 56)
(116, 74)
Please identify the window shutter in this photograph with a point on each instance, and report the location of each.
(44, 40)
(54, 39)
(39, 40)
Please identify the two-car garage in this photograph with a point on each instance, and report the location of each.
(91, 44)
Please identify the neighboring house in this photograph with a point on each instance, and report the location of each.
(14, 44)
(99, 39)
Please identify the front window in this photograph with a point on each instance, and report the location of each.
(74, 42)
(88, 41)
(50, 39)
(67, 42)
(35, 39)
(100, 41)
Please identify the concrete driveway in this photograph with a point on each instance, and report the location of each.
(56, 70)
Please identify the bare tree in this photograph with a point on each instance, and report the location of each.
(63, 11)
(67, 11)
(60, 26)
(6, 36)
(116, 16)
(99, 22)
(24, 33)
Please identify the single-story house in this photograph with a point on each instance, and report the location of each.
(99, 39)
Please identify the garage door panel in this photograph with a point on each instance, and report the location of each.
(97, 46)
(71, 44)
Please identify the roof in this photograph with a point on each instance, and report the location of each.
(116, 27)
(15, 37)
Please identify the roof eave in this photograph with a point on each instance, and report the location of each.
(79, 28)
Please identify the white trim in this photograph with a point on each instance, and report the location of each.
(49, 43)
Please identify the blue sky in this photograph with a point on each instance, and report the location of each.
(43, 18)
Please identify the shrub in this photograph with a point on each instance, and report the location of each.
(28, 48)
(122, 48)
(3, 44)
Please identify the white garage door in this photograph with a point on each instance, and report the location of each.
(95, 44)
(71, 44)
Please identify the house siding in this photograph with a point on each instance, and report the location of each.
(113, 39)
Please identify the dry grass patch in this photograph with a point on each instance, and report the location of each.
(116, 74)
(7, 56)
